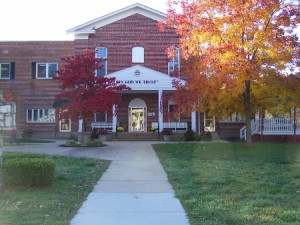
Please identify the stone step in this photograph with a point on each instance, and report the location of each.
(136, 136)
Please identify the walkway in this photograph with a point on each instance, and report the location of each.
(133, 191)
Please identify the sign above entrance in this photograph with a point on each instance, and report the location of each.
(147, 79)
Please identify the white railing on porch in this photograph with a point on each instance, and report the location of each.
(103, 125)
(176, 126)
(276, 126)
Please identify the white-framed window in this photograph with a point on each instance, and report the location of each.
(46, 70)
(174, 63)
(100, 117)
(40, 115)
(138, 54)
(102, 53)
(6, 71)
(65, 125)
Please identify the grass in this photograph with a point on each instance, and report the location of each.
(56, 204)
(226, 183)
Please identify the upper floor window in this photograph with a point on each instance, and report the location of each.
(138, 55)
(41, 116)
(44, 70)
(7, 70)
(102, 53)
(174, 63)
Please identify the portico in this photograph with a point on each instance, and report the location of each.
(142, 107)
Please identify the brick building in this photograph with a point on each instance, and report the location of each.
(136, 55)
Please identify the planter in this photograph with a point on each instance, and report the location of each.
(167, 137)
(103, 137)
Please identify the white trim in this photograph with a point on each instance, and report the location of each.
(9, 71)
(90, 26)
(47, 64)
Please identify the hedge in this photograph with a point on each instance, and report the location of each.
(28, 171)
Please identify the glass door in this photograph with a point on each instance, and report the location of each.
(137, 119)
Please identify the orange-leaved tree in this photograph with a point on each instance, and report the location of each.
(233, 45)
(83, 93)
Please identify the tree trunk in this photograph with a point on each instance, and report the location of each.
(247, 104)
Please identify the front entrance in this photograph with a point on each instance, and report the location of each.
(137, 115)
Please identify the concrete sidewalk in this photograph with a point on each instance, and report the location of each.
(133, 191)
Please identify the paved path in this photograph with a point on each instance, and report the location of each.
(133, 191)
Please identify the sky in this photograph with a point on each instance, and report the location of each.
(32, 20)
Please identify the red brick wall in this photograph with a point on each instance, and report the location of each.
(32, 93)
(120, 37)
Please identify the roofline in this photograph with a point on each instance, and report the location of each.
(74, 30)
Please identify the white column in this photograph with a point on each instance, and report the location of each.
(80, 125)
(114, 119)
(193, 117)
(160, 110)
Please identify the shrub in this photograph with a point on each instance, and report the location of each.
(71, 143)
(13, 155)
(120, 129)
(28, 171)
(27, 133)
(94, 134)
(95, 142)
(102, 132)
(167, 131)
(189, 135)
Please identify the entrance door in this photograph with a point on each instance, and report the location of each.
(137, 115)
(137, 119)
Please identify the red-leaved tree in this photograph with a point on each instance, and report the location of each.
(83, 93)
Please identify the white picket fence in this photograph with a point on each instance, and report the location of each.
(276, 126)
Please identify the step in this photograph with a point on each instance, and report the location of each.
(134, 136)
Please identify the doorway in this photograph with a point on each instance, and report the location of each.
(137, 112)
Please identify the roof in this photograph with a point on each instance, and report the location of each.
(137, 8)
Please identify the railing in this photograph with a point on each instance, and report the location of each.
(176, 126)
(103, 125)
(276, 126)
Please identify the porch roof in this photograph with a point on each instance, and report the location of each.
(140, 78)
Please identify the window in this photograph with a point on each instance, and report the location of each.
(65, 125)
(171, 106)
(100, 117)
(138, 55)
(174, 63)
(44, 70)
(40, 116)
(102, 53)
(7, 70)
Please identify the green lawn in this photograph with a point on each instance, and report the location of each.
(57, 204)
(226, 183)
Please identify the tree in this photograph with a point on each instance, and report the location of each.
(234, 47)
(83, 93)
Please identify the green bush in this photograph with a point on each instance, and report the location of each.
(13, 155)
(189, 135)
(28, 171)
(95, 142)
(71, 143)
